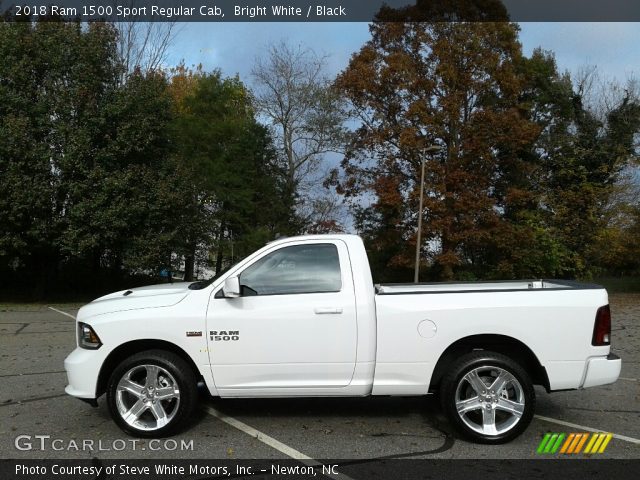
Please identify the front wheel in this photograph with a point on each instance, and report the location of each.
(152, 393)
(488, 397)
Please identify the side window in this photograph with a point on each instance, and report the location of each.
(291, 270)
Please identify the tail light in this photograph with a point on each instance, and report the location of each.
(602, 328)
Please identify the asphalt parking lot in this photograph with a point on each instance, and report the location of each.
(34, 341)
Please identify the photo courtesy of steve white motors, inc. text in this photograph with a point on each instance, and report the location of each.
(116, 469)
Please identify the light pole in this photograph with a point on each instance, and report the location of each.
(430, 149)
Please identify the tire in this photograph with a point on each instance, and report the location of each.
(152, 393)
(471, 407)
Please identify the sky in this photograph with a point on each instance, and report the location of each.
(614, 48)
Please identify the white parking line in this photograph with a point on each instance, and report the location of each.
(61, 312)
(588, 429)
(628, 379)
(264, 438)
(272, 442)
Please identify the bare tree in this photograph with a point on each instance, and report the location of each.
(144, 45)
(295, 97)
(603, 94)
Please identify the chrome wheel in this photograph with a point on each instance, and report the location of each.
(147, 397)
(489, 400)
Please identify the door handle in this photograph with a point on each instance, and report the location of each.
(328, 310)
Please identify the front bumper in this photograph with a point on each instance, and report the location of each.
(602, 371)
(83, 369)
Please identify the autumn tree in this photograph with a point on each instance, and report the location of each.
(454, 85)
(615, 250)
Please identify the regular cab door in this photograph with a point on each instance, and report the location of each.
(294, 325)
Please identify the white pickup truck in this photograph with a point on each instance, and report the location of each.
(302, 317)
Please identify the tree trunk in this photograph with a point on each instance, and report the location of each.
(219, 255)
(189, 264)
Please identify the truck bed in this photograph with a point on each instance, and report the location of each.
(495, 286)
(554, 319)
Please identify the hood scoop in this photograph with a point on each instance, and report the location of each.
(127, 293)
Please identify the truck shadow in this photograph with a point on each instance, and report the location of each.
(379, 414)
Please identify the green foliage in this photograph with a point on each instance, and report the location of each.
(235, 175)
(53, 78)
(116, 186)
(103, 179)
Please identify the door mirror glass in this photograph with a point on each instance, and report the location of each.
(231, 287)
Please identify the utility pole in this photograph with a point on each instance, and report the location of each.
(430, 149)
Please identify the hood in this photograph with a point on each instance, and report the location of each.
(153, 296)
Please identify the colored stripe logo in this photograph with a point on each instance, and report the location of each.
(574, 443)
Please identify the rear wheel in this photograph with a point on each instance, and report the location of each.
(152, 393)
(488, 397)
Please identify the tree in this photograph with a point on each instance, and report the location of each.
(455, 85)
(524, 180)
(25, 213)
(55, 80)
(143, 46)
(529, 247)
(234, 170)
(84, 160)
(121, 203)
(616, 248)
(296, 98)
(582, 151)
(124, 178)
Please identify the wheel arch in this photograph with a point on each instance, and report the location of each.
(127, 349)
(506, 345)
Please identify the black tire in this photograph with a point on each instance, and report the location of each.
(456, 388)
(174, 379)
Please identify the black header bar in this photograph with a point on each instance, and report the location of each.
(323, 10)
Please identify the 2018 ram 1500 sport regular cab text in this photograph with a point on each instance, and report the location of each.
(302, 317)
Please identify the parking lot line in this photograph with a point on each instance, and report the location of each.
(61, 312)
(33, 399)
(588, 429)
(264, 438)
(267, 440)
(32, 373)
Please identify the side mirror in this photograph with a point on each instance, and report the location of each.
(231, 287)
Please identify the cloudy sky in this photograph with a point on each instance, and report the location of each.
(614, 48)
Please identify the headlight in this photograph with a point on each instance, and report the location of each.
(87, 338)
